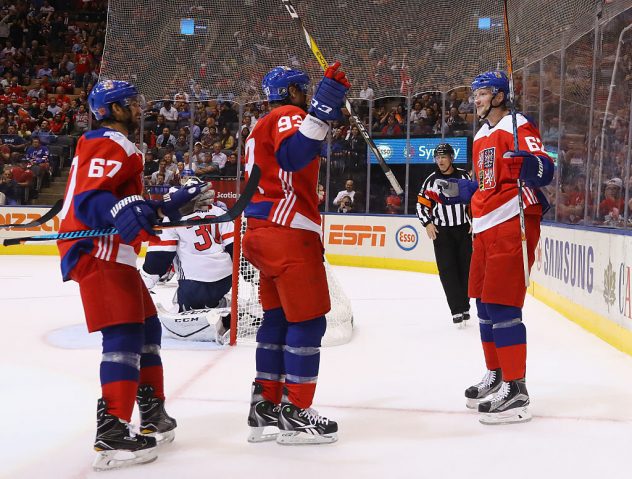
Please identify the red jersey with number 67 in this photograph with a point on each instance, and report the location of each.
(285, 198)
(105, 161)
(496, 200)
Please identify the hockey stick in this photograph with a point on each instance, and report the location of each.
(514, 122)
(49, 215)
(237, 209)
(365, 134)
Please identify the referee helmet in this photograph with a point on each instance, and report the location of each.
(444, 149)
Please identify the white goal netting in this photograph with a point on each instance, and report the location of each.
(247, 306)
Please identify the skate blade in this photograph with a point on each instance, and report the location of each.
(297, 438)
(108, 460)
(259, 434)
(162, 438)
(513, 416)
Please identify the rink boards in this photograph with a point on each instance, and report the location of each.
(582, 273)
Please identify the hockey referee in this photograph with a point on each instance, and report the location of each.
(449, 228)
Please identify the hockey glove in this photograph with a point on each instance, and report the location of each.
(173, 202)
(327, 102)
(133, 217)
(535, 171)
(456, 191)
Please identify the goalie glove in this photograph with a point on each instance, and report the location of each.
(172, 203)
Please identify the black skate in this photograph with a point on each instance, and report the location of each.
(304, 426)
(508, 405)
(154, 420)
(466, 316)
(117, 446)
(263, 415)
(457, 319)
(490, 383)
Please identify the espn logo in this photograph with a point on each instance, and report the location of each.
(357, 235)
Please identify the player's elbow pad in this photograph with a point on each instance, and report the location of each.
(93, 207)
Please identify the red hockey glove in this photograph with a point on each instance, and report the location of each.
(337, 75)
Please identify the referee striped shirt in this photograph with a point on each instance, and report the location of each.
(429, 211)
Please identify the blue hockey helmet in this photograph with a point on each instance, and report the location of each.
(496, 80)
(277, 81)
(107, 92)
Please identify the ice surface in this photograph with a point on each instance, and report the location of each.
(396, 390)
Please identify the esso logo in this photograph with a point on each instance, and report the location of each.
(407, 238)
(385, 150)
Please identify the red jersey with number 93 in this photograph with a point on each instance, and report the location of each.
(284, 198)
(105, 160)
(496, 200)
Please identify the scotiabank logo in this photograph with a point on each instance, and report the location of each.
(227, 195)
(357, 235)
(22, 218)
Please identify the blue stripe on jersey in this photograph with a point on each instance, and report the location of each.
(297, 151)
(100, 133)
(93, 207)
(259, 210)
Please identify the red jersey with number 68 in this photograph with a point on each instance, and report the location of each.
(496, 200)
(105, 161)
(285, 198)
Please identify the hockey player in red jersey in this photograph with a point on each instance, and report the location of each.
(104, 190)
(496, 272)
(283, 241)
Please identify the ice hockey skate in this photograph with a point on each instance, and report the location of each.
(508, 405)
(154, 420)
(304, 426)
(457, 320)
(490, 383)
(117, 446)
(263, 417)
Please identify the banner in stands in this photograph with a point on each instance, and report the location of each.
(421, 149)
(225, 190)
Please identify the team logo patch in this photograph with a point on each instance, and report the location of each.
(485, 167)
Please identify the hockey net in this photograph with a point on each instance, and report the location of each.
(247, 312)
(224, 48)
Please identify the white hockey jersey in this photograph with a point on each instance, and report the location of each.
(200, 254)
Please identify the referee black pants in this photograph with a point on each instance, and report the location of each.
(453, 251)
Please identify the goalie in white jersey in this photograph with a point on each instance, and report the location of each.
(203, 259)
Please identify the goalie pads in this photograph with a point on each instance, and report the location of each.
(196, 325)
